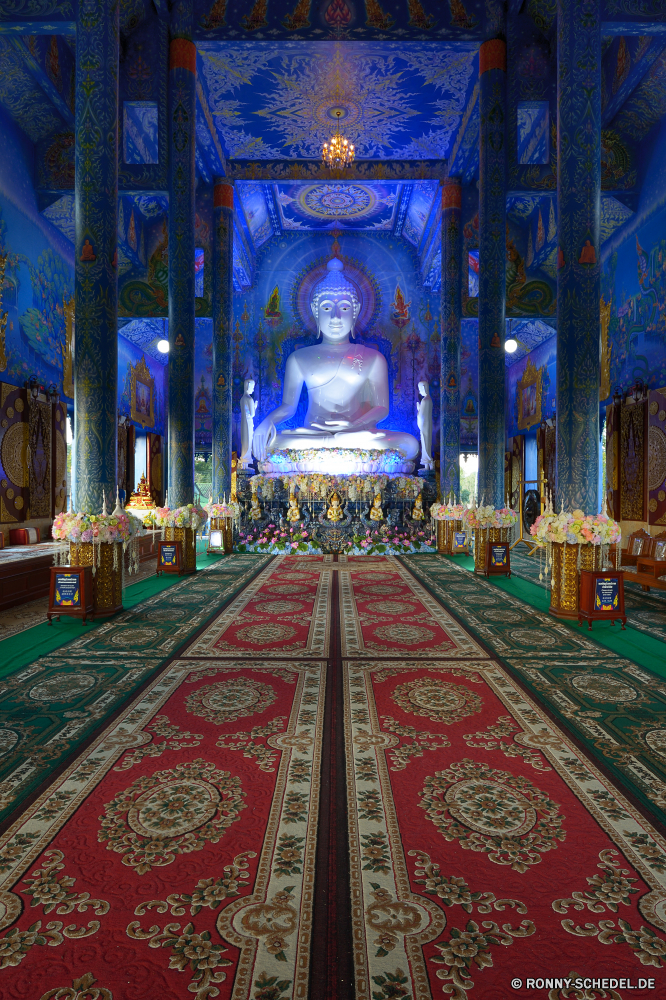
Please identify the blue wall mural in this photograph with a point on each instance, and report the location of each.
(39, 277)
(544, 359)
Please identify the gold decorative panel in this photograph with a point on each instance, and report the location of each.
(14, 453)
(142, 394)
(606, 349)
(40, 458)
(632, 462)
(528, 396)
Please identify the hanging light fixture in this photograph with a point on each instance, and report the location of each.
(338, 153)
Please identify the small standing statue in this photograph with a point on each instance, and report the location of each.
(424, 422)
(294, 512)
(376, 512)
(248, 408)
(335, 511)
(417, 510)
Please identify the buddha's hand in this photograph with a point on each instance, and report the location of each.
(333, 425)
(264, 435)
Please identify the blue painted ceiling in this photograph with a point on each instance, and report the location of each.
(397, 100)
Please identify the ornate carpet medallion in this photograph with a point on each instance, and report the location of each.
(169, 813)
(476, 842)
(201, 859)
(405, 620)
(608, 701)
(229, 700)
(261, 621)
(437, 699)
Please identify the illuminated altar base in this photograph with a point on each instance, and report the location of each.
(336, 462)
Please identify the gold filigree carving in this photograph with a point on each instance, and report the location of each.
(606, 349)
(142, 394)
(14, 452)
(656, 458)
(632, 466)
(528, 396)
(67, 350)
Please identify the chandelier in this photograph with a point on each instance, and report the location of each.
(338, 153)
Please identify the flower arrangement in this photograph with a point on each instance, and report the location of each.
(273, 538)
(393, 542)
(447, 512)
(319, 485)
(220, 510)
(99, 528)
(189, 516)
(489, 517)
(575, 528)
(307, 459)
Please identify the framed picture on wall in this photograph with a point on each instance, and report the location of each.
(528, 396)
(142, 394)
(660, 551)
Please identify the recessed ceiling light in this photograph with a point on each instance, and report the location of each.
(510, 345)
(163, 346)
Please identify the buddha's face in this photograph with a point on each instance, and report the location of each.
(335, 317)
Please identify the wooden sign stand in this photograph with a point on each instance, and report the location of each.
(170, 558)
(601, 596)
(71, 592)
(498, 559)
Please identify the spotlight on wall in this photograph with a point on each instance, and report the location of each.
(510, 345)
(163, 346)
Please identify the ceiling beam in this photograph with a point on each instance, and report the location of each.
(314, 170)
(467, 136)
(41, 79)
(634, 78)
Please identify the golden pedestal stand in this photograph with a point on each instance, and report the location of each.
(225, 525)
(445, 532)
(188, 536)
(481, 537)
(566, 575)
(107, 579)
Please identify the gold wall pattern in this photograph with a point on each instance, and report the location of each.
(40, 459)
(14, 455)
(632, 462)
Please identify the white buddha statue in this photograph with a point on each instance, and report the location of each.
(347, 383)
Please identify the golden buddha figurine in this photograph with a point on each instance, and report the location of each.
(417, 510)
(376, 512)
(335, 511)
(141, 498)
(294, 512)
(255, 509)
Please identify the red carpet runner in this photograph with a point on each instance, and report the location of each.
(176, 857)
(484, 849)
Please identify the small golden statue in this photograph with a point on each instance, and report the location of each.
(141, 499)
(255, 509)
(335, 511)
(417, 510)
(294, 512)
(376, 512)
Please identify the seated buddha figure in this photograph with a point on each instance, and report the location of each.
(347, 384)
(335, 511)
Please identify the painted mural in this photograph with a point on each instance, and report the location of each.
(282, 100)
(530, 389)
(399, 317)
(39, 277)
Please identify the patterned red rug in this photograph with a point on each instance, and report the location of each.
(488, 857)
(176, 856)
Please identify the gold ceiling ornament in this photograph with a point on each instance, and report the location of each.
(3, 315)
(338, 152)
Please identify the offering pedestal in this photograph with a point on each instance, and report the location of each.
(565, 576)
(188, 538)
(445, 535)
(107, 581)
(482, 536)
(225, 525)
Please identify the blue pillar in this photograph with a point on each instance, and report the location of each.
(492, 268)
(96, 277)
(223, 269)
(182, 108)
(450, 348)
(578, 275)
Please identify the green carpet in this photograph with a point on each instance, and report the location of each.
(605, 687)
(74, 677)
(24, 647)
(632, 642)
(646, 612)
